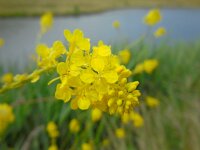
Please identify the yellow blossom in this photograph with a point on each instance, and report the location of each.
(139, 68)
(152, 102)
(160, 32)
(74, 126)
(150, 65)
(2, 42)
(96, 114)
(120, 133)
(86, 146)
(105, 142)
(46, 22)
(53, 147)
(116, 24)
(138, 120)
(124, 56)
(153, 17)
(6, 116)
(7, 78)
(52, 129)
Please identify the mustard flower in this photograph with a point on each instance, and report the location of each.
(2, 42)
(53, 147)
(52, 129)
(7, 78)
(96, 115)
(138, 120)
(150, 65)
(152, 102)
(120, 133)
(160, 32)
(6, 116)
(46, 22)
(124, 56)
(153, 17)
(74, 126)
(116, 24)
(139, 68)
(86, 146)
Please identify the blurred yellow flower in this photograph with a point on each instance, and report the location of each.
(52, 129)
(2, 42)
(87, 146)
(6, 116)
(160, 32)
(124, 56)
(7, 78)
(153, 17)
(139, 68)
(46, 22)
(105, 142)
(152, 102)
(116, 24)
(96, 115)
(120, 133)
(150, 65)
(53, 147)
(138, 120)
(74, 126)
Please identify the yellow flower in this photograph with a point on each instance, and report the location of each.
(74, 126)
(124, 56)
(46, 22)
(96, 115)
(120, 133)
(52, 129)
(105, 142)
(116, 24)
(7, 78)
(138, 120)
(2, 42)
(87, 146)
(160, 32)
(153, 17)
(139, 68)
(150, 65)
(6, 116)
(53, 147)
(152, 102)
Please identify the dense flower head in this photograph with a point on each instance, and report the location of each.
(46, 22)
(116, 24)
(120, 133)
(153, 17)
(124, 56)
(74, 126)
(160, 32)
(152, 102)
(148, 66)
(89, 77)
(52, 129)
(6, 116)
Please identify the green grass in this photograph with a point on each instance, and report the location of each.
(72, 7)
(173, 125)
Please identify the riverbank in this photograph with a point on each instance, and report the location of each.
(77, 7)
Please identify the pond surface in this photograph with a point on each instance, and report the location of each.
(20, 33)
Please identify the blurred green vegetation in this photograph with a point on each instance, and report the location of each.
(173, 125)
(69, 7)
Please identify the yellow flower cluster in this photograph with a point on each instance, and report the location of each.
(46, 22)
(153, 17)
(2, 42)
(53, 133)
(94, 79)
(124, 56)
(147, 66)
(135, 117)
(152, 102)
(6, 116)
(160, 32)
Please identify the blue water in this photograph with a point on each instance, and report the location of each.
(20, 33)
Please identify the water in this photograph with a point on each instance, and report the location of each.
(20, 33)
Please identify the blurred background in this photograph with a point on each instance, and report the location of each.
(171, 122)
